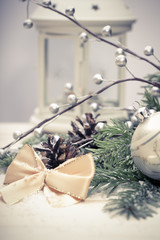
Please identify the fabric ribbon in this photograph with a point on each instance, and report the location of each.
(65, 185)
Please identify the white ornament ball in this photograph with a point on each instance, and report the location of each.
(54, 108)
(155, 92)
(28, 23)
(121, 60)
(70, 12)
(97, 78)
(2, 152)
(17, 134)
(107, 31)
(72, 99)
(99, 126)
(68, 87)
(94, 106)
(148, 51)
(38, 132)
(119, 51)
(145, 146)
(83, 37)
(46, 2)
(129, 124)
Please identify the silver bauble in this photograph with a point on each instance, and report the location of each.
(38, 132)
(2, 152)
(145, 146)
(28, 23)
(72, 99)
(54, 108)
(46, 2)
(134, 120)
(129, 124)
(97, 78)
(121, 60)
(83, 37)
(155, 92)
(148, 51)
(68, 87)
(119, 51)
(94, 106)
(70, 12)
(17, 134)
(107, 31)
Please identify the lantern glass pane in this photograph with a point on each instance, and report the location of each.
(102, 61)
(59, 68)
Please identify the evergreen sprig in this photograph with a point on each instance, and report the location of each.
(128, 191)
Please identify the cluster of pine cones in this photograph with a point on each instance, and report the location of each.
(56, 151)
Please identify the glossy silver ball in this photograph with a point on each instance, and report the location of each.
(145, 146)
(54, 108)
(46, 2)
(28, 23)
(83, 37)
(134, 120)
(99, 126)
(17, 134)
(94, 106)
(68, 87)
(121, 60)
(2, 152)
(119, 51)
(97, 78)
(107, 31)
(70, 12)
(148, 51)
(38, 132)
(155, 92)
(129, 124)
(72, 99)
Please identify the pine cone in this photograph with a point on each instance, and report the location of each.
(55, 152)
(85, 134)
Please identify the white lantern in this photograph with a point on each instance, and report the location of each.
(62, 57)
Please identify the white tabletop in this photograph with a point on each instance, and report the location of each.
(34, 218)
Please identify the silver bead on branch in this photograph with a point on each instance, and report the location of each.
(121, 61)
(148, 51)
(46, 2)
(68, 87)
(28, 23)
(97, 78)
(94, 106)
(107, 31)
(119, 51)
(70, 12)
(72, 99)
(2, 152)
(155, 92)
(129, 124)
(99, 126)
(83, 38)
(54, 108)
(38, 132)
(17, 134)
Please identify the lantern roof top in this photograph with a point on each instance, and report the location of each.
(93, 14)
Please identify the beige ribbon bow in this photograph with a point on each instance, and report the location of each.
(65, 185)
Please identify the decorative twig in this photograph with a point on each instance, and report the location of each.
(98, 37)
(156, 84)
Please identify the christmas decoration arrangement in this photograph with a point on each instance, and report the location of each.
(120, 160)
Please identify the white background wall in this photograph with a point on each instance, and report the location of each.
(18, 55)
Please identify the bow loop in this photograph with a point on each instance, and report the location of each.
(64, 185)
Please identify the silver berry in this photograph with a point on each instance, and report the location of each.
(2, 152)
(94, 106)
(148, 51)
(38, 132)
(28, 23)
(121, 60)
(46, 2)
(83, 37)
(119, 51)
(155, 92)
(68, 87)
(54, 108)
(129, 124)
(107, 31)
(17, 134)
(72, 99)
(99, 126)
(97, 78)
(70, 12)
